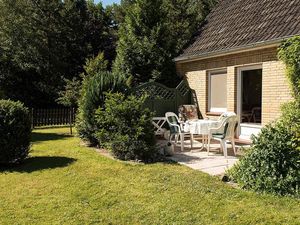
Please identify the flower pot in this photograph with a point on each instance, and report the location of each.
(169, 149)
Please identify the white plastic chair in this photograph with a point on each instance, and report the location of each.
(176, 128)
(225, 132)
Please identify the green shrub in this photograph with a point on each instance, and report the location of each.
(15, 132)
(291, 117)
(289, 54)
(125, 128)
(92, 97)
(272, 164)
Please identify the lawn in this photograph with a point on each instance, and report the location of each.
(63, 183)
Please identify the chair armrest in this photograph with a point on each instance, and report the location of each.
(181, 123)
(215, 129)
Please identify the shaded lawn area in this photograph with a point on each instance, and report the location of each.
(64, 183)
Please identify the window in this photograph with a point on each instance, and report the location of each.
(217, 94)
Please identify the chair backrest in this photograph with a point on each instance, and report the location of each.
(172, 119)
(224, 116)
(188, 112)
(230, 124)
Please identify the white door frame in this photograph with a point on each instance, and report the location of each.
(239, 94)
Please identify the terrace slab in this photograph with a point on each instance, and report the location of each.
(213, 163)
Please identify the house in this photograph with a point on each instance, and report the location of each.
(232, 63)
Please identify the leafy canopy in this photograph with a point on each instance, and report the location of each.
(44, 42)
(289, 53)
(153, 32)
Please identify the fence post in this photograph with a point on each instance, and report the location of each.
(70, 119)
(32, 118)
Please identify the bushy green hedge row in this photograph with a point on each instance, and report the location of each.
(15, 132)
(125, 128)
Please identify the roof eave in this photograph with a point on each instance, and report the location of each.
(245, 48)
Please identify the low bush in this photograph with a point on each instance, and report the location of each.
(15, 132)
(272, 164)
(125, 128)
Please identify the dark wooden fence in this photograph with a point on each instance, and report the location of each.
(53, 116)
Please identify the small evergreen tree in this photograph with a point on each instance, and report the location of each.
(96, 82)
(153, 32)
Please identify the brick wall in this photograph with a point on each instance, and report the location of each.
(275, 86)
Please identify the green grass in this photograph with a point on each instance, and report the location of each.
(63, 183)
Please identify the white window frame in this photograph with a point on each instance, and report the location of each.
(211, 109)
(253, 128)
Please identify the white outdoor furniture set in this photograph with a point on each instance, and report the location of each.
(222, 130)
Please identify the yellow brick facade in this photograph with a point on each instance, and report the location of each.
(275, 88)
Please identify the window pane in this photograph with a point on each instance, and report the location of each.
(218, 91)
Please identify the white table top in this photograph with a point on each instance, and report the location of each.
(200, 126)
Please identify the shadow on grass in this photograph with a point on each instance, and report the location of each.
(39, 137)
(38, 163)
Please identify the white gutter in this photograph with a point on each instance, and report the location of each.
(255, 46)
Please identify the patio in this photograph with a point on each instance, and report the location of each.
(214, 164)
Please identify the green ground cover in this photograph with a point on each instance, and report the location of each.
(64, 183)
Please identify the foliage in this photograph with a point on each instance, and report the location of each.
(117, 12)
(70, 96)
(92, 97)
(153, 33)
(272, 164)
(124, 127)
(95, 65)
(44, 42)
(289, 54)
(291, 118)
(15, 132)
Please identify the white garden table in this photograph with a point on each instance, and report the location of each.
(200, 127)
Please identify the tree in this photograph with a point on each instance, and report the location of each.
(43, 42)
(28, 58)
(70, 96)
(153, 33)
(96, 82)
(138, 51)
(117, 12)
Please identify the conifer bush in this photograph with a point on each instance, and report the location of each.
(92, 97)
(97, 80)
